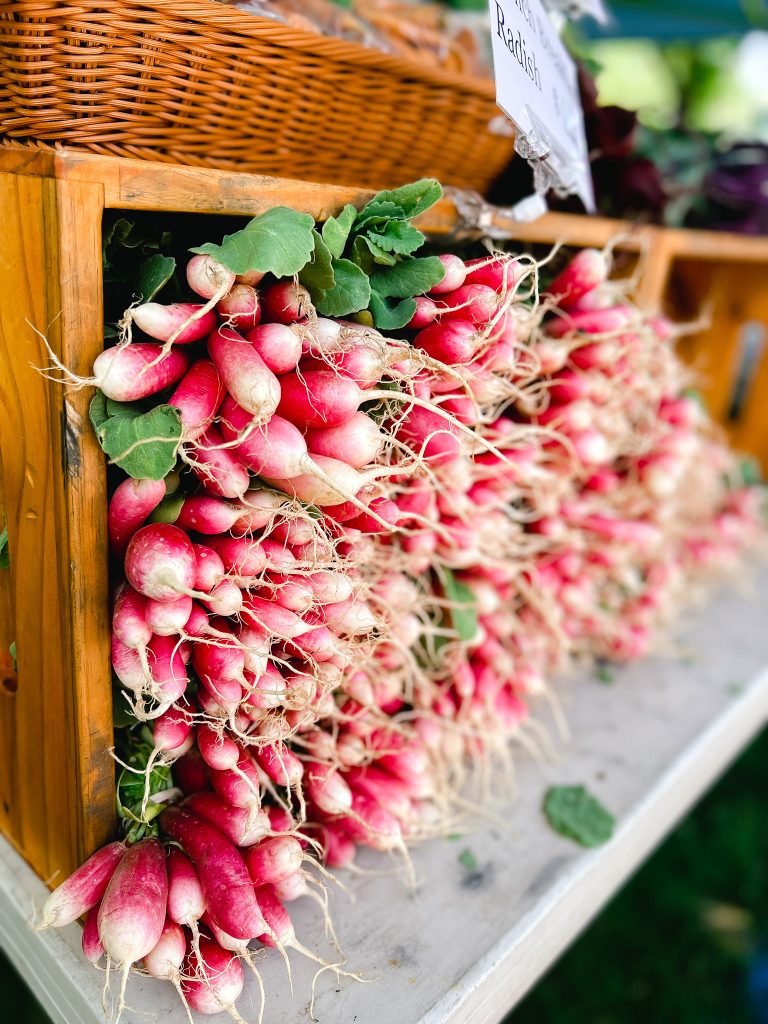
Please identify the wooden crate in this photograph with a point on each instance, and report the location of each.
(56, 777)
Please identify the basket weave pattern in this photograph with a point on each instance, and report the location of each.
(196, 82)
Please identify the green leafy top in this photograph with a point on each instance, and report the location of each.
(143, 443)
(462, 613)
(370, 257)
(279, 242)
(5, 555)
(577, 815)
(135, 746)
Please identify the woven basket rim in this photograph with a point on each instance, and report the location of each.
(249, 25)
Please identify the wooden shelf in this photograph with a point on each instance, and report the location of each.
(468, 944)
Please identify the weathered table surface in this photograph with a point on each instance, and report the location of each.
(473, 937)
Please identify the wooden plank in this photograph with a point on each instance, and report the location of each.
(466, 945)
(654, 276)
(59, 788)
(729, 353)
(9, 813)
(145, 185)
(720, 246)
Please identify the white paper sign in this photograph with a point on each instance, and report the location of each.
(537, 88)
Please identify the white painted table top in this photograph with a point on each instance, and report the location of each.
(466, 945)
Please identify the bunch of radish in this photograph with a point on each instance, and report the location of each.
(372, 557)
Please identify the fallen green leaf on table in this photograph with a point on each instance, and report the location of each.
(468, 860)
(604, 673)
(577, 815)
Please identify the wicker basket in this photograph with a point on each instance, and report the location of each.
(196, 82)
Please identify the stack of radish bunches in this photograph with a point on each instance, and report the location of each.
(372, 553)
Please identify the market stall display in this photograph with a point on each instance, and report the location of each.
(533, 485)
(330, 491)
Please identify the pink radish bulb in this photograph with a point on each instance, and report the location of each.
(318, 398)
(223, 874)
(239, 786)
(129, 665)
(279, 346)
(165, 959)
(83, 889)
(292, 887)
(330, 586)
(209, 567)
(455, 273)
(277, 451)
(474, 303)
(198, 396)
(552, 355)
(207, 515)
(373, 825)
(93, 948)
(167, 618)
(238, 824)
(125, 374)
(161, 322)
(426, 313)
(186, 903)
(217, 468)
(160, 562)
(251, 277)
(130, 507)
(274, 859)
(129, 622)
(166, 660)
(280, 764)
(338, 849)
(500, 272)
(588, 269)
(272, 618)
(431, 435)
(286, 302)
(247, 377)
(240, 556)
(217, 750)
(339, 481)
(281, 931)
(216, 662)
(213, 980)
(225, 598)
(327, 789)
(240, 307)
(132, 911)
(173, 732)
(268, 690)
(207, 277)
(358, 442)
(592, 321)
(387, 516)
(273, 449)
(453, 343)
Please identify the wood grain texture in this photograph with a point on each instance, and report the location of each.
(731, 302)
(58, 780)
